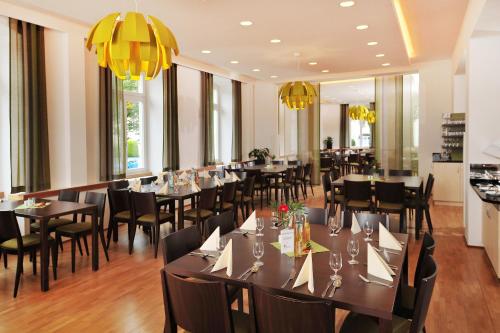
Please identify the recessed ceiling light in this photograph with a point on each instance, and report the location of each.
(256, 70)
(275, 41)
(325, 71)
(274, 76)
(246, 23)
(380, 55)
(386, 64)
(372, 43)
(234, 61)
(362, 27)
(346, 4)
(313, 63)
(206, 51)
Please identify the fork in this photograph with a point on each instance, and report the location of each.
(290, 277)
(374, 281)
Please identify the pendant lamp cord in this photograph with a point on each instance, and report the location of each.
(136, 6)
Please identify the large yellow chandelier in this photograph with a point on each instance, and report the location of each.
(132, 46)
(296, 95)
(361, 112)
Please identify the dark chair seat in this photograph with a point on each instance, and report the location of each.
(339, 198)
(358, 204)
(192, 214)
(355, 322)
(241, 321)
(247, 198)
(74, 228)
(51, 225)
(28, 241)
(162, 200)
(388, 206)
(225, 205)
(123, 215)
(151, 218)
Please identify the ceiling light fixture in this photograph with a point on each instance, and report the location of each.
(372, 43)
(325, 71)
(346, 4)
(256, 70)
(296, 95)
(234, 62)
(275, 41)
(274, 76)
(206, 51)
(362, 27)
(386, 64)
(380, 55)
(131, 45)
(403, 25)
(313, 63)
(246, 23)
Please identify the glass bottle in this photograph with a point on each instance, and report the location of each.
(298, 242)
(306, 237)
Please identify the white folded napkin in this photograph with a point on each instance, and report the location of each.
(377, 265)
(204, 174)
(250, 223)
(218, 181)
(136, 187)
(227, 175)
(212, 241)
(225, 259)
(355, 228)
(306, 274)
(163, 190)
(195, 188)
(387, 240)
(16, 196)
(235, 177)
(183, 176)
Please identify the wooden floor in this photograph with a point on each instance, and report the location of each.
(125, 294)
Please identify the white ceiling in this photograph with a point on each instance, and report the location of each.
(319, 30)
(348, 92)
(490, 17)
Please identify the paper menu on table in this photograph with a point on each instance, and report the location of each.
(286, 240)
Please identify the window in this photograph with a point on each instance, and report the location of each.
(134, 96)
(223, 119)
(361, 133)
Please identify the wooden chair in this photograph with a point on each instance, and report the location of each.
(225, 221)
(358, 195)
(276, 312)
(361, 323)
(278, 162)
(308, 178)
(12, 242)
(390, 198)
(325, 164)
(145, 212)
(199, 306)
(317, 216)
(227, 200)
(286, 185)
(261, 185)
(75, 231)
(246, 198)
(326, 182)
(420, 203)
(180, 243)
(363, 217)
(399, 173)
(120, 211)
(118, 184)
(298, 181)
(205, 208)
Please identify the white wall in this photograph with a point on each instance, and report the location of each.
(266, 116)
(154, 121)
(330, 123)
(459, 94)
(4, 107)
(225, 112)
(247, 119)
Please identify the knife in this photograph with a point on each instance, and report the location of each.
(328, 285)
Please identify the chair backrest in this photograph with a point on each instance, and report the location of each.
(374, 219)
(9, 228)
(290, 314)
(196, 305)
(278, 162)
(326, 182)
(395, 172)
(428, 187)
(119, 200)
(353, 158)
(208, 198)
(180, 243)
(424, 295)
(299, 172)
(371, 171)
(294, 162)
(288, 175)
(148, 180)
(68, 195)
(248, 186)
(143, 203)
(317, 216)
(118, 184)
(308, 169)
(325, 162)
(225, 221)
(98, 199)
(390, 192)
(229, 191)
(427, 249)
(357, 190)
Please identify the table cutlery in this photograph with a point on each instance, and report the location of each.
(245, 272)
(393, 267)
(328, 285)
(254, 269)
(290, 277)
(386, 251)
(207, 267)
(202, 255)
(336, 284)
(374, 281)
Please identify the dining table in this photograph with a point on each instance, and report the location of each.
(354, 294)
(53, 210)
(274, 171)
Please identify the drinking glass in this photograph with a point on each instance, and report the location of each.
(258, 252)
(222, 244)
(260, 226)
(353, 250)
(368, 229)
(335, 263)
(334, 224)
(274, 220)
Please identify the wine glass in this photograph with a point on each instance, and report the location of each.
(274, 219)
(260, 226)
(335, 263)
(368, 229)
(258, 252)
(222, 244)
(353, 250)
(334, 224)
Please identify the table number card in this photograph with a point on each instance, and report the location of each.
(286, 240)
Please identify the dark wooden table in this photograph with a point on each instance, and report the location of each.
(354, 295)
(275, 171)
(411, 182)
(43, 215)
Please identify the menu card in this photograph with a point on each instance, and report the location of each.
(286, 240)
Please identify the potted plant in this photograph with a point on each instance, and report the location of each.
(260, 155)
(328, 142)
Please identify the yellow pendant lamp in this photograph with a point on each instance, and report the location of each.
(296, 95)
(133, 45)
(361, 112)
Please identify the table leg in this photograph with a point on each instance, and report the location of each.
(95, 240)
(418, 221)
(44, 255)
(180, 214)
(276, 187)
(171, 210)
(404, 274)
(384, 325)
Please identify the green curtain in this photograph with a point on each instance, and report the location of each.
(236, 154)
(170, 120)
(207, 110)
(398, 131)
(345, 135)
(112, 127)
(372, 127)
(30, 167)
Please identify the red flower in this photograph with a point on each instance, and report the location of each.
(283, 208)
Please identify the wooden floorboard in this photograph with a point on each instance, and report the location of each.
(125, 294)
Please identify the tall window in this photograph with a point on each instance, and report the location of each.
(360, 133)
(134, 96)
(223, 119)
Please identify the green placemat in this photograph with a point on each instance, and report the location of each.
(316, 248)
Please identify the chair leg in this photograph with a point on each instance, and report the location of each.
(304, 192)
(54, 259)
(33, 254)
(103, 242)
(253, 203)
(156, 238)
(5, 260)
(240, 301)
(79, 245)
(19, 270)
(73, 250)
(428, 219)
(402, 223)
(60, 244)
(261, 197)
(110, 232)
(312, 190)
(86, 245)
